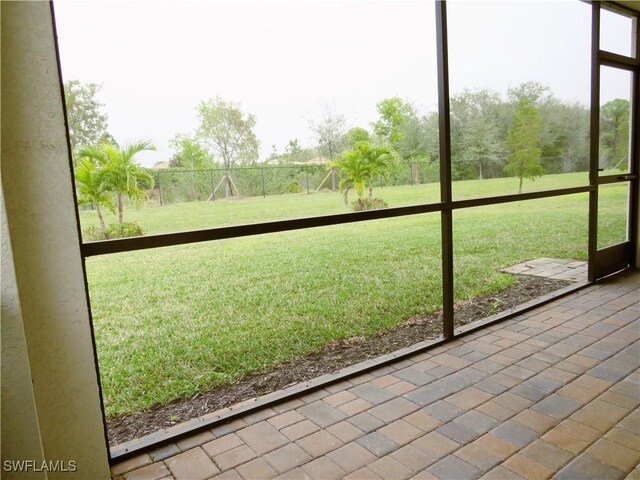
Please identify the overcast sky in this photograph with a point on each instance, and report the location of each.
(281, 60)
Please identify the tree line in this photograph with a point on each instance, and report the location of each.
(524, 134)
(527, 133)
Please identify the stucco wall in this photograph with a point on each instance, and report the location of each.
(43, 237)
(19, 419)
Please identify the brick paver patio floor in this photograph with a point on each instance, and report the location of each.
(552, 393)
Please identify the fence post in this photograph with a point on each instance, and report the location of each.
(264, 193)
(307, 173)
(213, 188)
(410, 174)
(159, 187)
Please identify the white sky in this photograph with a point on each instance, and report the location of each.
(281, 60)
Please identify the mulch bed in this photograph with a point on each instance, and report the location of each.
(333, 357)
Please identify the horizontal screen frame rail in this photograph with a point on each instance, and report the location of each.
(105, 247)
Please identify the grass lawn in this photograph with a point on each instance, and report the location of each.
(197, 215)
(170, 322)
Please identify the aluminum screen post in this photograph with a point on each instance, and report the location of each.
(445, 169)
(594, 143)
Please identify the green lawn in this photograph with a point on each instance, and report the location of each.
(170, 322)
(199, 215)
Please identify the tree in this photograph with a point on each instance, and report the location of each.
(331, 137)
(431, 137)
(481, 145)
(475, 136)
(92, 188)
(189, 153)
(122, 174)
(377, 160)
(293, 151)
(413, 142)
(354, 174)
(523, 143)
(614, 131)
(394, 113)
(565, 148)
(549, 108)
(87, 121)
(355, 135)
(536, 93)
(411, 149)
(293, 154)
(228, 132)
(329, 132)
(359, 167)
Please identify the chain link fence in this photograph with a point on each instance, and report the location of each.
(175, 186)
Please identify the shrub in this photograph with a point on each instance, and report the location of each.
(124, 230)
(294, 187)
(92, 233)
(113, 231)
(366, 204)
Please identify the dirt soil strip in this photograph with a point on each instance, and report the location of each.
(332, 358)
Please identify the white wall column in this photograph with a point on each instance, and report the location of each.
(47, 301)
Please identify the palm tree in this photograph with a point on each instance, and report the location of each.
(360, 166)
(377, 161)
(122, 174)
(354, 173)
(92, 188)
